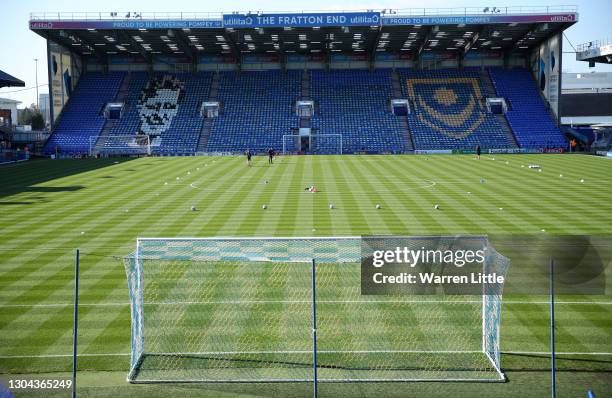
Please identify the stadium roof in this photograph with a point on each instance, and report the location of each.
(506, 29)
(599, 51)
(7, 80)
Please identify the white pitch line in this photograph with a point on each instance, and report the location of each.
(431, 184)
(114, 354)
(556, 353)
(306, 302)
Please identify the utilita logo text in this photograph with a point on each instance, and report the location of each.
(41, 25)
(562, 18)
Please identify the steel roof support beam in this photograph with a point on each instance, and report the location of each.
(125, 38)
(183, 43)
(234, 49)
(374, 47)
(101, 56)
(424, 43)
(473, 41)
(524, 38)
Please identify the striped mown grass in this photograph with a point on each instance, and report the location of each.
(49, 208)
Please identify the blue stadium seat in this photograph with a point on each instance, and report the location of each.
(83, 115)
(528, 117)
(182, 125)
(354, 103)
(257, 110)
(449, 110)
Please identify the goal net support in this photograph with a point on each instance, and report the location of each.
(122, 144)
(245, 310)
(320, 144)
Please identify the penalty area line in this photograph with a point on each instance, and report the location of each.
(248, 302)
(117, 354)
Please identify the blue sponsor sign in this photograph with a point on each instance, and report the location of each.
(476, 19)
(297, 20)
(128, 24)
(301, 20)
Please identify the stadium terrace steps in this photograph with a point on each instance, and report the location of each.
(183, 134)
(449, 110)
(258, 109)
(528, 116)
(305, 95)
(204, 135)
(506, 126)
(122, 93)
(207, 123)
(130, 118)
(491, 92)
(82, 117)
(397, 93)
(355, 103)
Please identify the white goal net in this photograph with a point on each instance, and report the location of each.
(122, 144)
(316, 144)
(240, 309)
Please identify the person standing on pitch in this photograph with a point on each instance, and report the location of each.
(270, 156)
(478, 151)
(249, 155)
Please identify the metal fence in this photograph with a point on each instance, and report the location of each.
(116, 15)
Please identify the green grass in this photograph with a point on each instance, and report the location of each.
(49, 208)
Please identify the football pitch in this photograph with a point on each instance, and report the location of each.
(50, 208)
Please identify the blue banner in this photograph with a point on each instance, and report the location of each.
(301, 20)
(128, 24)
(476, 19)
(298, 20)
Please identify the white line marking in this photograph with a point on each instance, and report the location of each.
(510, 302)
(113, 354)
(556, 353)
(431, 184)
(306, 352)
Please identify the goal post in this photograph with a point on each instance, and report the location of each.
(321, 144)
(120, 144)
(245, 310)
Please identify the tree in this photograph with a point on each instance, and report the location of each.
(25, 116)
(37, 120)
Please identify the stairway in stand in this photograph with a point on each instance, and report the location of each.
(397, 94)
(208, 122)
(501, 118)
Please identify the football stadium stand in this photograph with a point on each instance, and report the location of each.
(83, 115)
(183, 132)
(414, 79)
(355, 103)
(257, 110)
(448, 110)
(531, 122)
(132, 88)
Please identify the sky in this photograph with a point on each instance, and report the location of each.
(19, 46)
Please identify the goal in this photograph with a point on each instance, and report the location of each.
(291, 309)
(320, 144)
(121, 144)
